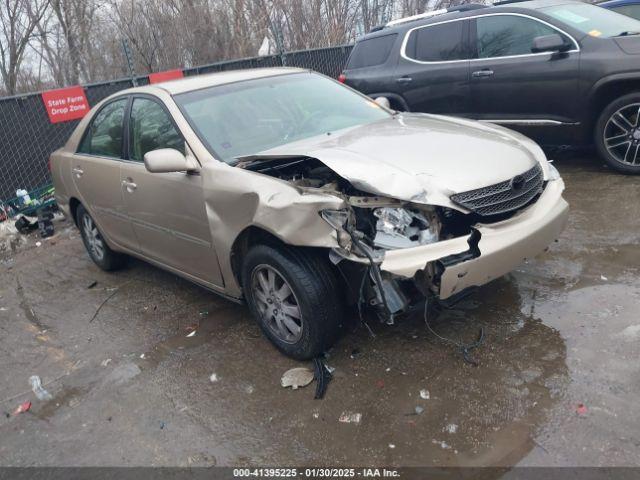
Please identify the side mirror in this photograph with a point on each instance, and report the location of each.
(549, 43)
(383, 102)
(166, 160)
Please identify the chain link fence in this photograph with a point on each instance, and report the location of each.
(27, 137)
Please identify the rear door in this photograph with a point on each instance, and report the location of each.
(433, 71)
(95, 170)
(167, 209)
(513, 86)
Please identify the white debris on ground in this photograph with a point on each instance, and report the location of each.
(451, 428)
(424, 394)
(105, 362)
(10, 238)
(296, 378)
(350, 417)
(444, 445)
(213, 378)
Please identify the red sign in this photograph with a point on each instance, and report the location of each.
(165, 76)
(65, 104)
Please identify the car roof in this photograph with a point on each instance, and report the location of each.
(617, 3)
(515, 6)
(197, 82)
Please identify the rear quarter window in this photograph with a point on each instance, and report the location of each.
(437, 43)
(372, 51)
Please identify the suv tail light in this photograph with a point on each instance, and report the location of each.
(342, 78)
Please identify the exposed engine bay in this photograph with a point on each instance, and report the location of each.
(369, 227)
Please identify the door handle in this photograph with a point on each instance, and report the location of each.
(78, 171)
(485, 72)
(404, 80)
(129, 185)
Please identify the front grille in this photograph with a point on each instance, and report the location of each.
(505, 196)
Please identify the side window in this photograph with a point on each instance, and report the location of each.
(504, 35)
(151, 128)
(371, 52)
(632, 11)
(104, 135)
(437, 43)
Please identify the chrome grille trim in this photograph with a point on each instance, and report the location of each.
(501, 197)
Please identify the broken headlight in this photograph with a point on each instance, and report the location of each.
(403, 228)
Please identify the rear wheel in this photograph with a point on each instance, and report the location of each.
(617, 134)
(295, 298)
(96, 247)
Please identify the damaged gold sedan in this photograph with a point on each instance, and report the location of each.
(302, 197)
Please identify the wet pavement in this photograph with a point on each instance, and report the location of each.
(557, 382)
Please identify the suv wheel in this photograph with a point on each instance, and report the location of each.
(618, 134)
(295, 298)
(97, 248)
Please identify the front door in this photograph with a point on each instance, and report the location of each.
(96, 173)
(433, 70)
(167, 209)
(533, 92)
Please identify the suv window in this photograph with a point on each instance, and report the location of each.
(632, 10)
(104, 134)
(372, 51)
(592, 20)
(505, 35)
(151, 128)
(437, 43)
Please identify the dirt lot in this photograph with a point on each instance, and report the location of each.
(558, 381)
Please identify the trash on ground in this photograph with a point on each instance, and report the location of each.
(581, 409)
(322, 375)
(603, 278)
(451, 428)
(297, 377)
(424, 394)
(92, 284)
(392, 446)
(213, 378)
(23, 407)
(36, 386)
(105, 362)
(38, 244)
(419, 410)
(443, 445)
(142, 356)
(350, 417)
(193, 332)
(25, 225)
(162, 425)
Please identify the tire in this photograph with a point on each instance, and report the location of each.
(97, 248)
(617, 134)
(314, 291)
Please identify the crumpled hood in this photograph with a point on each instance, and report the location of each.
(418, 157)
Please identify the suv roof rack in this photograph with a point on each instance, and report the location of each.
(433, 13)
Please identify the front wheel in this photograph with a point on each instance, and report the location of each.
(617, 134)
(97, 248)
(295, 298)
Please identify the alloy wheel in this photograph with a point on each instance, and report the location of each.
(276, 303)
(95, 244)
(622, 135)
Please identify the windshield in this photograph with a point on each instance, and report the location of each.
(594, 21)
(248, 117)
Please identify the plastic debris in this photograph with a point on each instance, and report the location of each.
(193, 332)
(419, 410)
(451, 428)
(23, 407)
(603, 278)
(322, 375)
(36, 386)
(105, 362)
(142, 356)
(350, 417)
(581, 409)
(297, 377)
(213, 378)
(392, 446)
(424, 394)
(38, 244)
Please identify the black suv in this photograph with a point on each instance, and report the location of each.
(562, 72)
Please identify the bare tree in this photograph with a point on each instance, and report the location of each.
(18, 20)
